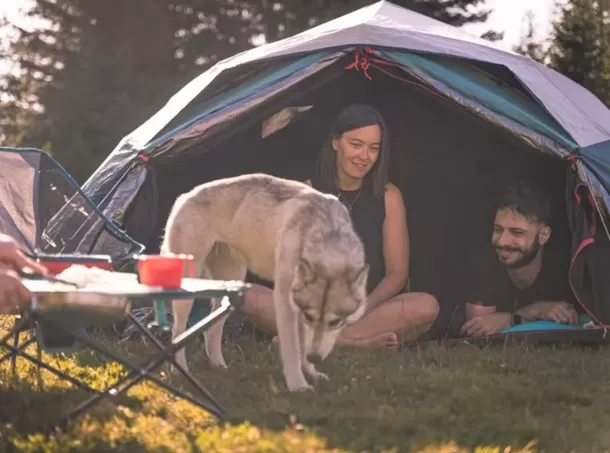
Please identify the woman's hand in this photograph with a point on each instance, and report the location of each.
(14, 296)
(13, 258)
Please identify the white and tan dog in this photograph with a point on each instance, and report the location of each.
(283, 231)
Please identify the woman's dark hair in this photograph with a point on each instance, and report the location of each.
(353, 117)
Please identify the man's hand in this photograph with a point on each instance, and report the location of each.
(13, 294)
(12, 257)
(560, 312)
(491, 324)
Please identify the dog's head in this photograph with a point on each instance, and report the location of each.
(326, 304)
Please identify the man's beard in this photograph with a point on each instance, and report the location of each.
(527, 255)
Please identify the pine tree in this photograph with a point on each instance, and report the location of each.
(580, 46)
(530, 45)
(103, 67)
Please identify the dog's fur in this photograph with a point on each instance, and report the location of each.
(283, 231)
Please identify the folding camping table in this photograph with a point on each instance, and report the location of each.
(230, 292)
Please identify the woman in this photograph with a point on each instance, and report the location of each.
(353, 164)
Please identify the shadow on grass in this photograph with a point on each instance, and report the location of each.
(27, 409)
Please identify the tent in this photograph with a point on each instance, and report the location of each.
(466, 117)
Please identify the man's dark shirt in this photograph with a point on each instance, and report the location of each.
(491, 285)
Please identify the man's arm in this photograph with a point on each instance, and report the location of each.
(558, 311)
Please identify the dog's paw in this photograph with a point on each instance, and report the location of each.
(219, 363)
(298, 384)
(300, 387)
(310, 370)
(319, 376)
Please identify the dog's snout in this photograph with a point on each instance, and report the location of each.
(316, 359)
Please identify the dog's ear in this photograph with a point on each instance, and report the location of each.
(305, 273)
(359, 276)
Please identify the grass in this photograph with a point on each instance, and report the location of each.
(438, 398)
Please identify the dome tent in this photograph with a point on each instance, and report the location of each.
(466, 117)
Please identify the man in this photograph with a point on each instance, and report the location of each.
(518, 280)
(13, 294)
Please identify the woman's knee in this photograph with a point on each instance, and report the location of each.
(257, 298)
(425, 305)
(431, 306)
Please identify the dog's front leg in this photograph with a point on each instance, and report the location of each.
(306, 337)
(288, 336)
(310, 370)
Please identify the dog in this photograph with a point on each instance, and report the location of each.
(283, 231)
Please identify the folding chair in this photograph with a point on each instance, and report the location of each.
(45, 210)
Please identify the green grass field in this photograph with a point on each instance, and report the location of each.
(437, 398)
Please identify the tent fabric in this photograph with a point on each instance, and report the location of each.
(384, 24)
(596, 161)
(124, 156)
(515, 96)
(579, 113)
(244, 97)
(264, 81)
(471, 84)
(475, 85)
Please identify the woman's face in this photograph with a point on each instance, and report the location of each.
(358, 150)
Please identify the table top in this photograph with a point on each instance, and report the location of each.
(126, 285)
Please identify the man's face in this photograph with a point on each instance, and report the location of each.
(516, 238)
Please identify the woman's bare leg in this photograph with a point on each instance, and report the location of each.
(402, 318)
(258, 307)
(406, 317)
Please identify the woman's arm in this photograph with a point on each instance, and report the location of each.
(395, 249)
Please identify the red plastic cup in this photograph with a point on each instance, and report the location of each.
(166, 270)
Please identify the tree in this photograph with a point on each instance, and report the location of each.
(530, 44)
(101, 68)
(580, 45)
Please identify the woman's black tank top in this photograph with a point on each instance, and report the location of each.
(368, 214)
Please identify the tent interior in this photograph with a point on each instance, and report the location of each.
(450, 164)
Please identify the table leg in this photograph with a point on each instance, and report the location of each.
(167, 354)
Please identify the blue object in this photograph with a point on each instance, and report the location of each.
(201, 308)
(547, 325)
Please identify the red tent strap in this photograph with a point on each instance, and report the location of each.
(364, 59)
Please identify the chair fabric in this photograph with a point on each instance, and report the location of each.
(45, 210)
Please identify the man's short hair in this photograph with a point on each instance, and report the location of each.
(526, 201)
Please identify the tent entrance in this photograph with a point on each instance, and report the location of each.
(450, 164)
